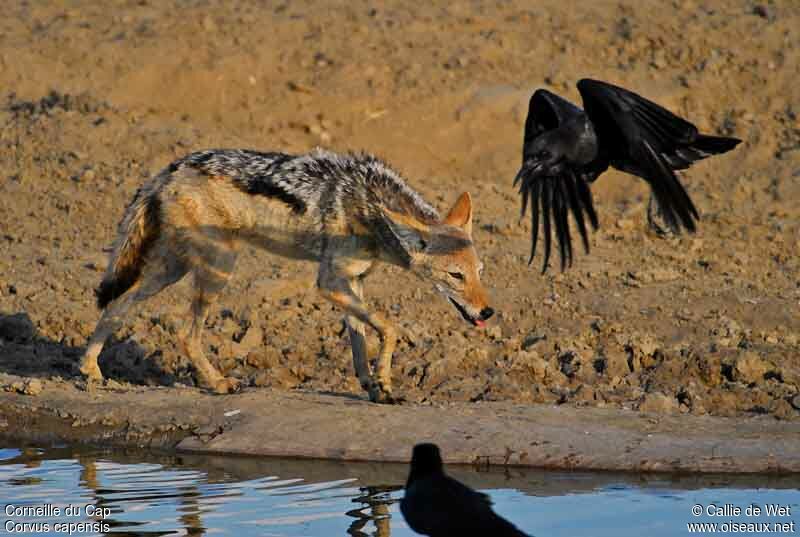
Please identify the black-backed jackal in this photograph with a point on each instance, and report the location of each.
(343, 211)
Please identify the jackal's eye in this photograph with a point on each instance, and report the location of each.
(456, 276)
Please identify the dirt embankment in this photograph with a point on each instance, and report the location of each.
(100, 97)
(304, 424)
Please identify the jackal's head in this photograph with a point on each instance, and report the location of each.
(444, 254)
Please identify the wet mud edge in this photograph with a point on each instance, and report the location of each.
(339, 427)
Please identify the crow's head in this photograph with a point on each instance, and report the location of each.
(425, 460)
(544, 155)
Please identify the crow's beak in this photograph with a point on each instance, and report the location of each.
(534, 166)
(530, 169)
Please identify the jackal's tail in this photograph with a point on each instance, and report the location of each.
(136, 234)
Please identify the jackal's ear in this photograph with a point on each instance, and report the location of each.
(461, 213)
(409, 233)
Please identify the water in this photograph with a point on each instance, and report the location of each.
(131, 492)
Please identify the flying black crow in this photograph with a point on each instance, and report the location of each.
(566, 148)
(439, 506)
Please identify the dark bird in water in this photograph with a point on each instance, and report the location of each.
(566, 148)
(439, 506)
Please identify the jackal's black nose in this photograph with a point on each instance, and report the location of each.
(486, 313)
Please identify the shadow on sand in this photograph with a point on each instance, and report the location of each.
(25, 352)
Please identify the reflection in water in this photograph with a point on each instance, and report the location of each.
(169, 497)
(377, 500)
(147, 494)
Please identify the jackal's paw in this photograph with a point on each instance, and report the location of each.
(225, 385)
(91, 372)
(380, 393)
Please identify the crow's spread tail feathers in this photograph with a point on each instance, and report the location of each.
(553, 198)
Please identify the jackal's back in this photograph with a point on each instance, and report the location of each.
(329, 184)
(233, 192)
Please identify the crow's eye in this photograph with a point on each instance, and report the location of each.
(543, 154)
(456, 275)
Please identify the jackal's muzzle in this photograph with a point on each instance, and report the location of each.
(476, 320)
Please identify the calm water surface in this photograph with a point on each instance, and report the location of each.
(130, 492)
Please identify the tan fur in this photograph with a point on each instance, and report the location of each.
(204, 219)
(137, 230)
(457, 226)
(407, 219)
(461, 214)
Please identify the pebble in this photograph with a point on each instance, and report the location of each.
(318, 131)
(208, 24)
(88, 175)
(112, 384)
(764, 12)
(494, 332)
(33, 387)
(659, 403)
(750, 368)
(531, 340)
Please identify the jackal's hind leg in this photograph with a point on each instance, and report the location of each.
(109, 322)
(210, 277)
(155, 277)
(207, 374)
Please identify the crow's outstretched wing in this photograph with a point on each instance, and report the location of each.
(619, 128)
(553, 196)
(546, 111)
(647, 140)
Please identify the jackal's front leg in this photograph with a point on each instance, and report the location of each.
(358, 340)
(346, 293)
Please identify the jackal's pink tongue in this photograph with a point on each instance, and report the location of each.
(479, 323)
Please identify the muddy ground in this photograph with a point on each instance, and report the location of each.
(98, 96)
